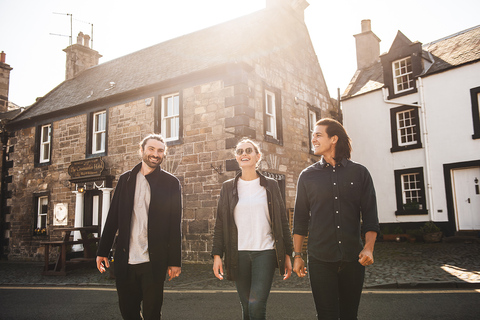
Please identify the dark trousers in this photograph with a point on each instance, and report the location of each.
(141, 285)
(254, 280)
(336, 288)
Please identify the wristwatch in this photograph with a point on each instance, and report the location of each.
(297, 254)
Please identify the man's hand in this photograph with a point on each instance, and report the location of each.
(218, 267)
(102, 264)
(365, 257)
(174, 272)
(299, 267)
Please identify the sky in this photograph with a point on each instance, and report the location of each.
(33, 33)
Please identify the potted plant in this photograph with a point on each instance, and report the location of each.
(431, 232)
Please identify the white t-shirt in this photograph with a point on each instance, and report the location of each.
(252, 217)
(138, 252)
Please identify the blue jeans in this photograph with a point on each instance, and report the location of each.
(254, 280)
(336, 288)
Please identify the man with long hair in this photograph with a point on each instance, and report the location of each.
(335, 201)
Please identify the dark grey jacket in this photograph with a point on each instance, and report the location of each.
(225, 238)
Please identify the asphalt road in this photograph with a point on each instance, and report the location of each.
(71, 303)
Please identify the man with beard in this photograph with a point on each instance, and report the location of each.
(147, 213)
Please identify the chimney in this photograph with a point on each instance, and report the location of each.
(4, 82)
(367, 45)
(80, 56)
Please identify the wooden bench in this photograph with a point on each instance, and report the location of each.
(60, 266)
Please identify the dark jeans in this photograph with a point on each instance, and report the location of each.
(139, 286)
(336, 288)
(254, 281)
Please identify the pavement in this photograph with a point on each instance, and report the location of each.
(397, 265)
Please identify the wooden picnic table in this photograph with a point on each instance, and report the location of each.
(60, 266)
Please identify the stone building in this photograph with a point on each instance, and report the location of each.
(256, 76)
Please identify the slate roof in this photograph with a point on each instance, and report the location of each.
(446, 53)
(242, 39)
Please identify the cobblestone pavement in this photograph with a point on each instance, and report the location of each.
(397, 265)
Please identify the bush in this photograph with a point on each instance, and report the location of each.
(430, 227)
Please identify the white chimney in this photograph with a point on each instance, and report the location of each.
(367, 45)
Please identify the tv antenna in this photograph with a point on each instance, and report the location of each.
(71, 29)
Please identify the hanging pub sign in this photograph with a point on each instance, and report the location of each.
(86, 168)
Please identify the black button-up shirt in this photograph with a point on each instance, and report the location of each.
(333, 204)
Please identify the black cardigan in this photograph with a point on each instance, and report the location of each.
(164, 221)
(225, 237)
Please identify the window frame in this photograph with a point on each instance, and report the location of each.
(271, 117)
(400, 192)
(396, 143)
(276, 136)
(39, 153)
(164, 118)
(37, 197)
(475, 97)
(91, 140)
(409, 75)
(311, 125)
(100, 132)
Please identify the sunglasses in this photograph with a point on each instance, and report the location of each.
(247, 151)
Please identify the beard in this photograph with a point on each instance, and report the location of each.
(152, 164)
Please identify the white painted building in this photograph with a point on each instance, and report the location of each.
(413, 116)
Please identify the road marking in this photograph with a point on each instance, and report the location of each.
(210, 291)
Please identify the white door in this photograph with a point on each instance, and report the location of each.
(466, 196)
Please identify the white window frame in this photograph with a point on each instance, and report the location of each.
(411, 189)
(312, 120)
(170, 113)
(271, 129)
(408, 129)
(402, 75)
(99, 132)
(45, 143)
(42, 215)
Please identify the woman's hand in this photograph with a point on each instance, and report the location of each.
(288, 267)
(218, 267)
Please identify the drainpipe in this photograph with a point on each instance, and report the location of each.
(423, 111)
(426, 146)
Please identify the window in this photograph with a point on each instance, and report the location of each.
(410, 190)
(99, 132)
(475, 97)
(41, 215)
(271, 127)
(402, 75)
(272, 116)
(313, 117)
(170, 113)
(44, 144)
(405, 128)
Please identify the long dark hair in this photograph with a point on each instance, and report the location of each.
(343, 148)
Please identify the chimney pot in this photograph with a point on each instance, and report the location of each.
(86, 40)
(80, 38)
(366, 25)
(2, 57)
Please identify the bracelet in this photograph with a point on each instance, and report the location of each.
(298, 257)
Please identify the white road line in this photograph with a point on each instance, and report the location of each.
(378, 291)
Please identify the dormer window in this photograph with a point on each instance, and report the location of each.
(402, 75)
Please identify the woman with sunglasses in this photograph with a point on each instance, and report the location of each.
(251, 233)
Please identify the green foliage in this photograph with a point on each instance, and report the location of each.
(430, 227)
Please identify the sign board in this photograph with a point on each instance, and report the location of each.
(86, 168)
